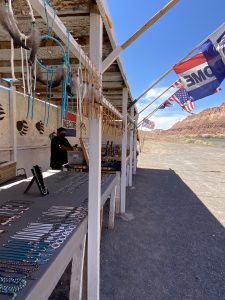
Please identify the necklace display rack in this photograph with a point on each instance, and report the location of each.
(34, 245)
(11, 210)
(38, 178)
(28, 246)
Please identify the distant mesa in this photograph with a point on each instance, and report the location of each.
(210, 121)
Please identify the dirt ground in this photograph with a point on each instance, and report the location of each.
(174, 248)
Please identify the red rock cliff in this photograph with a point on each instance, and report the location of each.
(210, 121)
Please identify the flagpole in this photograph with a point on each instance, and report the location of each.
(171, 69)
(142, 142)
(155, 99)
(150, 115)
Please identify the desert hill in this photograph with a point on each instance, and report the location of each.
(208, 122)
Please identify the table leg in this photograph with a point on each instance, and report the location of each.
(112, 208)
(118, 195)
(76, 281)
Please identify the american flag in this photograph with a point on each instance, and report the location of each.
(178, 84)
(189, 106)
(183, 99)
(148, 124)
(167, 103)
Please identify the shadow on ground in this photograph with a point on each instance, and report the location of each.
(174, 249)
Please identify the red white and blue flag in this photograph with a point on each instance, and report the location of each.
(189, 106)
(197, 77)
(183, 99)
(148, 123)
(217, 39)
(178, 84)
(214, 52)
(165, 104)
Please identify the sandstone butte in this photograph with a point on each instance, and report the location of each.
(208, 122)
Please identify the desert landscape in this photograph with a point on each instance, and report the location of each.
(178, 210)
(204, 128)
(178, 217)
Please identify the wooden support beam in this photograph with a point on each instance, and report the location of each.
(131, 150)
(118, 194)
(76, 281)
(13, 131)
(113, 93)
(94, 191)
(112, 207)
(135, 148)
(60, 29)
(116, 52)
(45, 51)
(77, 25)
(124, 153)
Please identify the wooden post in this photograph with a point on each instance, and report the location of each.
(124, 153)
(94, 192)
(131, 149)
(12, 114)
(135, 149)
(76, 281)
(112, 208)
(61, 31)
(127, 172)
(118, 193)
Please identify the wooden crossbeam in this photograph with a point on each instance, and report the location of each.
(117, 51)
(61, 31)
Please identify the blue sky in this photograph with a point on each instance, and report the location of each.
(163, 45)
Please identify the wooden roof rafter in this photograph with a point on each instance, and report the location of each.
(74, 15)
(61, 31)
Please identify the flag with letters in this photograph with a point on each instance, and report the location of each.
(214, 59)
(217, 39)
(183, 99)
(197, 77)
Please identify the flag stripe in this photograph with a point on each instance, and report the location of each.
(190, 63)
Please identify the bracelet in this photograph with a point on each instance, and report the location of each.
(15, 284)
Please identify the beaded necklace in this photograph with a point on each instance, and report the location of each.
(11, 285)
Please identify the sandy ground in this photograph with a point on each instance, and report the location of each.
(202, 169)
(174, 248)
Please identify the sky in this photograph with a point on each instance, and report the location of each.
(183, 28)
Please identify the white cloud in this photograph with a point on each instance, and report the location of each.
(161, 118)
(152, 95)
(155, 92)
(166, 122)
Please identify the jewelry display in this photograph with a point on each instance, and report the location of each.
(12, 210)
(36, 242)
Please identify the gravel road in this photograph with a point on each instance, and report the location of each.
(174, 248)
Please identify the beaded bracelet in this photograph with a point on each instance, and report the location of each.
(26, 267)
(15, 284)
(10, 272)
(14, 295)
